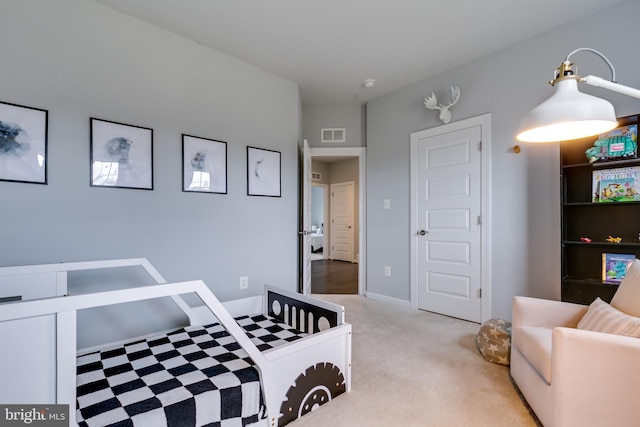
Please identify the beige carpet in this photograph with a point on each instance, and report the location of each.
(414, 368)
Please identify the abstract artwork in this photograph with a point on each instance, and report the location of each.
(263, 172)
(204, 165)
(23, 144)
(121, 155)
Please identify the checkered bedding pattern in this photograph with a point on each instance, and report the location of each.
(194, 376)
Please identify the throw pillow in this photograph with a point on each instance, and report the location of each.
(627, 297)
(601, 317)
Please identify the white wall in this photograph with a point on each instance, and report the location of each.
(80, 59)
(525, 193)
(317, 205)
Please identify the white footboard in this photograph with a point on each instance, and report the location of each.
(309, 372)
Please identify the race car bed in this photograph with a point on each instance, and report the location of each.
(264, 360)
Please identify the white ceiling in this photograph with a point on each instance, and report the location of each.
(329, 47)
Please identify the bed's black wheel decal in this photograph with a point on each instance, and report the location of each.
(314, 387)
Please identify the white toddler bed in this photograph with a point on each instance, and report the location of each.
(317, 241)
(264, 360)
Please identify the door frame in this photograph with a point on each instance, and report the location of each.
(361, 153)
(484, 121)
(304, 250)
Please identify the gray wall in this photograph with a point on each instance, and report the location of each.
(350, 117)
(525, 193)
(79, 59)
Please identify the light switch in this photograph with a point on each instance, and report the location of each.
(387, 203)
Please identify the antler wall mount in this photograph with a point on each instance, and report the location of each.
(445, 112)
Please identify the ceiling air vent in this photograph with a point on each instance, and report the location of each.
(333, 135)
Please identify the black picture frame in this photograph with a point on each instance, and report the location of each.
(121, 155)
(263, 172)
(204, 165)
(23, 143)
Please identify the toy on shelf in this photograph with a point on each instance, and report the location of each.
(614, 239)
(617, 144)
(585, 239)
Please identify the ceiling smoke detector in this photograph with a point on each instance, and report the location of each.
(368, 83)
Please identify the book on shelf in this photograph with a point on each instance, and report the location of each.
(614, 266)
(616, 185)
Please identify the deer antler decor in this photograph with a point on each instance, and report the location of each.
(432, 103)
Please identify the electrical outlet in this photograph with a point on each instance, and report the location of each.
(387, 203)
(387, 271)
(244, 282)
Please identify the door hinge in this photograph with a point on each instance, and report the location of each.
(479, 219)
(480, 293)
(480, 146)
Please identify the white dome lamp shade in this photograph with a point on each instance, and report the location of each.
(570, 114)
(567, 114)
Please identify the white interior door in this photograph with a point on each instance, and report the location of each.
(306, 220)
(342, 221)
(449, 253)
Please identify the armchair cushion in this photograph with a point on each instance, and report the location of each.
(535, 345)
(601, 317)
(627, 297)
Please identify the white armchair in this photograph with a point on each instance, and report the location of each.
(569, 376)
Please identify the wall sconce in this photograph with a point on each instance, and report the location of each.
(569, 113)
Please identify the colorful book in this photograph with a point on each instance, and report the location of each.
(616, 185)
(614, 266)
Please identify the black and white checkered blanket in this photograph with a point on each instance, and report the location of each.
(194, 376)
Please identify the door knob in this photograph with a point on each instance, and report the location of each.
(422, 232)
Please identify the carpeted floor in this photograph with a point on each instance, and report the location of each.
(414, 368)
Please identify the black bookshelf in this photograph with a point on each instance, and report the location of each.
(582, 218)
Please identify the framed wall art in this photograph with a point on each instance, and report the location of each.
(204, 165)
(23, 144)
(263, 172)
(121, 155)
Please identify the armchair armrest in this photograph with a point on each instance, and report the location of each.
(596, 376)
(527, 311)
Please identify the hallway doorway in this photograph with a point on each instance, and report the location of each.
(327, 274)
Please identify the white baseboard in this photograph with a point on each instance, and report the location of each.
(392, 300)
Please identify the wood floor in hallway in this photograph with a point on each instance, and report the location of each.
(334, 277)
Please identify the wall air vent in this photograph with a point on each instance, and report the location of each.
(333, 135)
